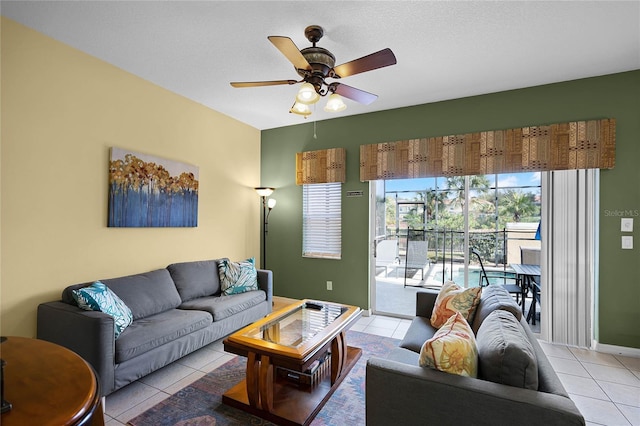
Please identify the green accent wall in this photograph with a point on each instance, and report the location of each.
(611, 96)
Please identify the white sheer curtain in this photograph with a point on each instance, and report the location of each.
(569, 260)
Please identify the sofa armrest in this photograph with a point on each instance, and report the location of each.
(403, 394)
(265, 282)
(425, 301)
(90, 334)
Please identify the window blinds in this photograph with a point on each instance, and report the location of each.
(322, 220)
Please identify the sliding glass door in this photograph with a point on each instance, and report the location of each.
(489, 216)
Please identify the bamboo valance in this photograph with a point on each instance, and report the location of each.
(563, 146)
(323, 166)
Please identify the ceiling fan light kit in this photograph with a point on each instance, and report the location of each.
(301, 109)
(307, 94)
(335, 103)
(315, 65)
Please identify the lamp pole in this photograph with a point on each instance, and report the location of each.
(264, 192)
(264, 232)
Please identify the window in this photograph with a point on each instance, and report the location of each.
(322, 220)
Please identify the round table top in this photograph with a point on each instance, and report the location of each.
(46, 384)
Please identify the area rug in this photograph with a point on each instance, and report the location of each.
(200, 403)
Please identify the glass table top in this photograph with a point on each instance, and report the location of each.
(297, 326)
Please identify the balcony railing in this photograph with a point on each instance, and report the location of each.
(497, 249)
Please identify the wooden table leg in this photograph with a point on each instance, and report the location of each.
(253, 379)
(338, 356)
(272, 334)
(266, 383)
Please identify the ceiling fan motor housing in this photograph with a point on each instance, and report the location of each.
(320, 59)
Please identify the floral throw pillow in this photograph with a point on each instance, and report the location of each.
(99, 297)
(452, 349)
(237, 277)
(453, 298)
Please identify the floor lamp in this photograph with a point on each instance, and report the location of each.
(264, 192)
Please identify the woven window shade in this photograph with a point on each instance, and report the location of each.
(323, 166)
(563, 146)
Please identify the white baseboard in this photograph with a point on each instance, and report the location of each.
(366, 312)
(615, 350)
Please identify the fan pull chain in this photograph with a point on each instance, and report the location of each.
(315, 136)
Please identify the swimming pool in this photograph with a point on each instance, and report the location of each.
(474, 277)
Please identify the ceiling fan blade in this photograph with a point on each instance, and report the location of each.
(262, 83)
(291, 51)
(376, 60)
(354, 94)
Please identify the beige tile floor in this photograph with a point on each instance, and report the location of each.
(606, 388)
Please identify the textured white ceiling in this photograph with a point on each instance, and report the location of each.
(444, 49)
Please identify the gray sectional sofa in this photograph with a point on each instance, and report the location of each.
(400, 392)
(176, 311)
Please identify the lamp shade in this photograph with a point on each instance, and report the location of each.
(300, 109)
(307, 94)
(335, 103)
(271, 203)
(264, 191)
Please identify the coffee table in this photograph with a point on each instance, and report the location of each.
(296, 358)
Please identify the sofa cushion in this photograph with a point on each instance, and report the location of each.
(156, 330)
(505, 354)
(98, 297)
(452, 349)
(237, 277)
(146, 294)
(453, 298)
(494, 297)
(419, 331)
(221, 307)
(195, 279)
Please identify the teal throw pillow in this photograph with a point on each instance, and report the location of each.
(237, 277)
(99, 297)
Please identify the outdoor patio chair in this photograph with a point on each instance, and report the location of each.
(387, 255)
(417, 254)
(529, 255)
(506, 279)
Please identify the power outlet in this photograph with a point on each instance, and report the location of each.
(329, 285)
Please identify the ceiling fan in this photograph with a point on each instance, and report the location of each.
(315, 65)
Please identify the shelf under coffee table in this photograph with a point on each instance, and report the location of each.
(296, 358)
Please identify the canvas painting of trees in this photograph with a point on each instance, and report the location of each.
(147, 191)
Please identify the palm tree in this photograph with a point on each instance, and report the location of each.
(517, 204)
(455, 187)
(435, 203)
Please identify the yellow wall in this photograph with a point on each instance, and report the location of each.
(61, 112)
